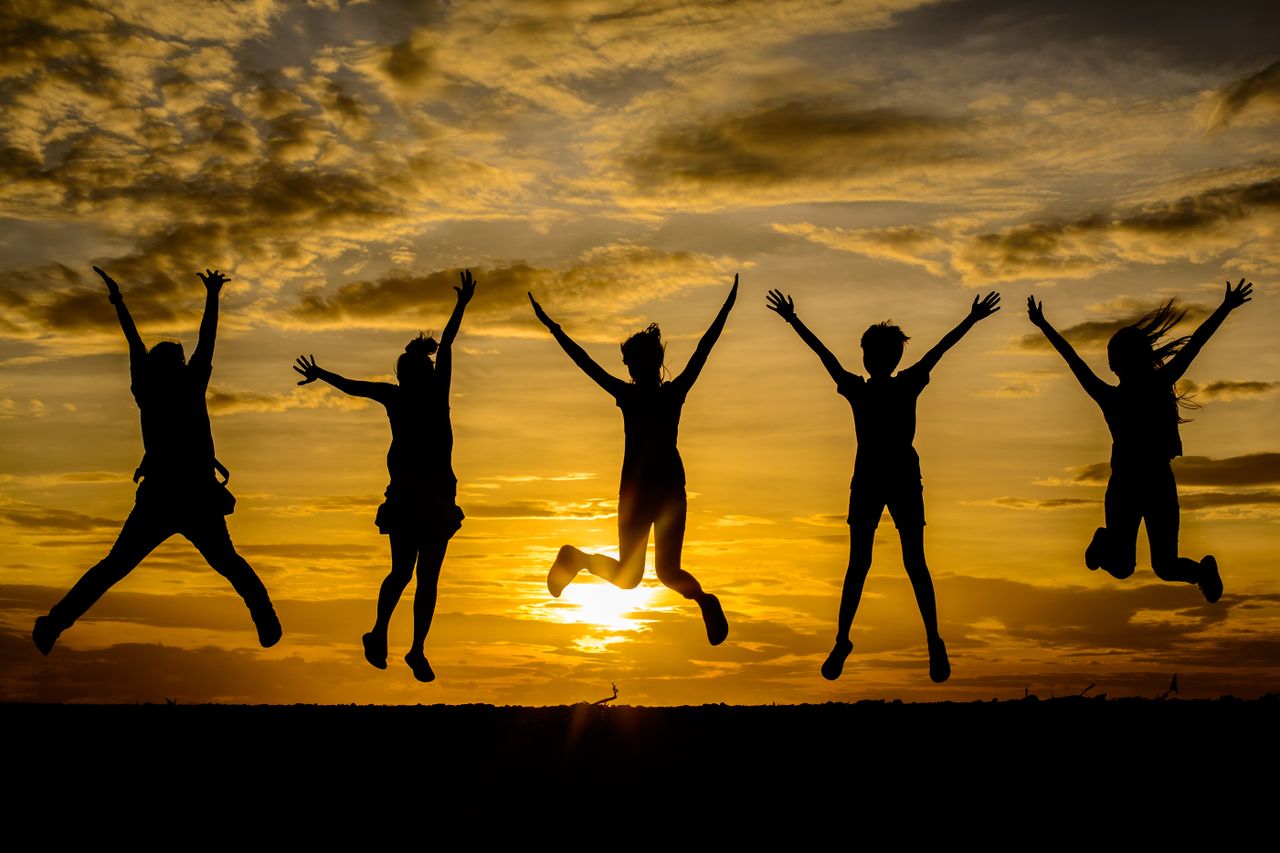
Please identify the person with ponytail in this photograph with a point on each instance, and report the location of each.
(652, 489)
(1142, 414)
(419, 515)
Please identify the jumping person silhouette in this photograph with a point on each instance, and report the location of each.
(651, 492)
(1142, 414)
(179, 492)
(419, 515)
(886, 469)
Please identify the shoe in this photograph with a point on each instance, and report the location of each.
(1210, 581)
(939, 666)
(1097, 550)
(713, 618)
(834, 664)
(562, 573)
(375, 650)
(269, 630)
(45, 634)
(421, 669)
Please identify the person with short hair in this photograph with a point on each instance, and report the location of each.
(179, 490)
(886, 469)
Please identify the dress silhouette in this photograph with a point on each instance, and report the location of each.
(179, 490)
(886, 469)
(419, 515)
(1142, 415)
(651, 493)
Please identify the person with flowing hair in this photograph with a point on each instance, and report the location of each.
(1141, 412)
(420, 514)
(651, 493)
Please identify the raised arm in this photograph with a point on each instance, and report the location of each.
(213, 281)
(699, 358)
(310, 372)
(137, 349)
(598, 374)
(1093, 386)
(1231, 300)
(785, 307)
(981, 309)
(444, 357)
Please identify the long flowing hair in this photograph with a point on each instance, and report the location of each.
(1140, 345)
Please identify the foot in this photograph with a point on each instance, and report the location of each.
(562, 571)
(713, 618)
(1097, 550)
(375, 649)
(834, 664)
(45, 634)
(421, 669)
(939, 666)
(1210, 580)
(269, 630)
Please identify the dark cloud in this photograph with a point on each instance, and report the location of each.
(796, 141)
(1209, 500)
(1094, 334)
(1255, 469)
(1195, 227)
(34, 517)
(1229, 389)
(1010, 502)
(589, 509)
(1260, 89)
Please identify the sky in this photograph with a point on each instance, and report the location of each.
(876, 159)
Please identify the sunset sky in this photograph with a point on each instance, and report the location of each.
(874, 158)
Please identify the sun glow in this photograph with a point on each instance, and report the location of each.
(605, 606)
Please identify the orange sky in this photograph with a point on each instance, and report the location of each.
(876, 159)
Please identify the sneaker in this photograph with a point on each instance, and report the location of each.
(1097, 550)
(713, 618)
(375, 649)
(45, 634)
(834, 664)
(421, 669)
(1210, 581)
(562, 572)
(939, 666)
(269, 630)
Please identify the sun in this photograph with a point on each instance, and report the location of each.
(606, 606)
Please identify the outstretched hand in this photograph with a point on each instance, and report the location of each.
(1035, 310)
(308, 370)
(113, 289)
(984, 307)
(468, 288)
(213, 279)
(539, 313)
(785, 306)
(1234, 297)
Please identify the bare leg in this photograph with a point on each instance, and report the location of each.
(1162, 534)
(404, 553)
(922, 584)
(669, 538)
(1114, 547)
(139, 536)
(430, 558)
(213, 541)
(861, 538)
(633, 539)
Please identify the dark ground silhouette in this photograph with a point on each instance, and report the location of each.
(651, 493)
(886, 468)
(419, 515)
(179, 492)
(1142, 415)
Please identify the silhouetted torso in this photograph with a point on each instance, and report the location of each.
(1143, 419)
(651, 421)
(884, 418)
(176, 435)
(420, 457)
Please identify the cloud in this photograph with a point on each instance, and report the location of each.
(1257, 93)
(1094, 334)
(906, 244)
(1254, 469)
(602, 282)
(231, 401)
(595, 508)
(35, 517)
(1040, 504)
(1229, 389)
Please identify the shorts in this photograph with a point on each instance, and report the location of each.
(423, 518)
(903, 496)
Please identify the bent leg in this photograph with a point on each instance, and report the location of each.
(1119, 539)
(1162, 518)
(141, 533)
(633, 540)
(211, 538)
(669, 541)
